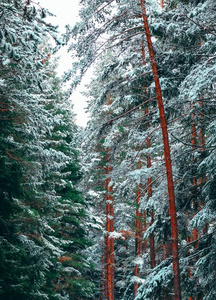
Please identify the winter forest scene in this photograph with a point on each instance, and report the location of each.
(118, 203)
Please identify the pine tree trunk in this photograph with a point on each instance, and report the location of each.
(194, 234)
(151, 239)
(202, 131)
(144, 212)
(202, 180)
(107, 261)
(167, 156)
(109, 244)
(138, 237)
(112, 253)
(109, 241)
(162, 4)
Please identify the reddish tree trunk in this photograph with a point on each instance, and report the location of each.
(136, 285)
(145, 244)
(162, 4)
(202, 180)
(202, 131)
(194, 231)
(138, 234)
(167, 157)
(109, 244)
(151, 239)
(112, 254)
(109, 241)
(107, 256)
(194, 234)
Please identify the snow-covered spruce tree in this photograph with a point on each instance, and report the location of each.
(61, 174)
(24, 261)
(33, 190)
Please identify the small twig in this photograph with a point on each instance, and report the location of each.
(132, 79)
(206, 29)
(197, 240)
(210, 59)
(118, 117)
(11, 156)
(130, 29)
(124, 40)
(143, 143)
(146, 188)
(186, 144)
(35, 236)
(103, 6)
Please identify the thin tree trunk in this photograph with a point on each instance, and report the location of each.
(167, 157)
(112, 254)
(202, 180)
(138, 237)
(194, 235)
(202, 131)
(144, 212)
(107, 256)
(162, 4)
(151, 239)
(109, 241)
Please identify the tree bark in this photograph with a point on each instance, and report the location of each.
(194, 234)
(151, 239)
(109, 241)
(138, 234)
(167, 157)
(144, 212)
(162, 4)
(202, 180)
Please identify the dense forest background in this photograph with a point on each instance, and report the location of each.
(125, 208)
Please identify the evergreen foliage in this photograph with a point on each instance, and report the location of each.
(42, 214)
(83, 209)
(184, 46)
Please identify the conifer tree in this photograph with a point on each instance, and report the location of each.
(43, 232)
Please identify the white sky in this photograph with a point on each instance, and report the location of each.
(66, 12)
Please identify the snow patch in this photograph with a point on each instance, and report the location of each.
(115, 235)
